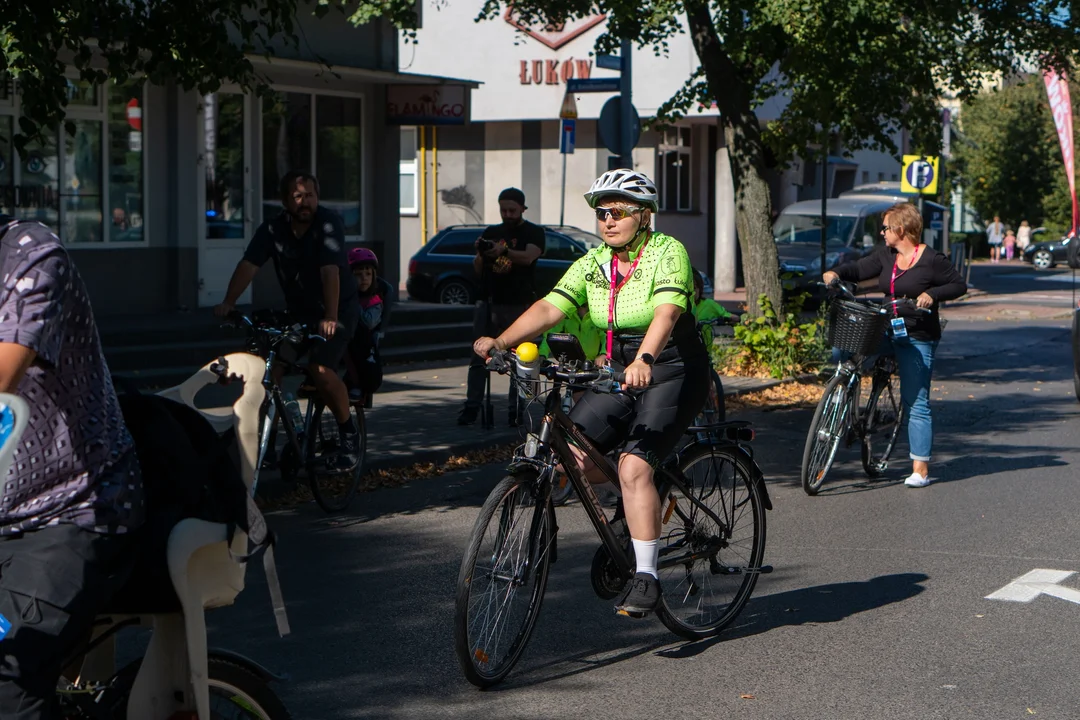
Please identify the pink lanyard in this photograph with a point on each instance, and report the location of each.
(615, 291)
(892, 283)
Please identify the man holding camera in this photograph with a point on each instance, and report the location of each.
(505, 262)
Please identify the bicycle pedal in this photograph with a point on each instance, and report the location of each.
(632, 614)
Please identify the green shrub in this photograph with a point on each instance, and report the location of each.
(779, 345)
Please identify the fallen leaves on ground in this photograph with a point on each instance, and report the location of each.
(394, 477)
(789, 395)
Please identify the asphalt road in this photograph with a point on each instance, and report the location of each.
(877, 607)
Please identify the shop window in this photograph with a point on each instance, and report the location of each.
(322, 134)
(674, 181)
(86, 181)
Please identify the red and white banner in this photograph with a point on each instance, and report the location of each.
(1057, 89)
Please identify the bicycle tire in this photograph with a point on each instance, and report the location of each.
(1076, 352)
(507, 507)
(560, 495)
(695, 603)
(229, 682)
(877, 417)
(830, 417)
(334, 491)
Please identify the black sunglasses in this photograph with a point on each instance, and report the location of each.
(617, 213)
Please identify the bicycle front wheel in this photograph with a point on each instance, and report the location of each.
(236, 693)
(1076, 352)
(826, 429)
(332, 489)
(503, 576)
(883, 417)
(712, 543)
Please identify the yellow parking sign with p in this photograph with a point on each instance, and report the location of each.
(919, 175)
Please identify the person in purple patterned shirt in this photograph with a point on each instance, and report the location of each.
(73, 499)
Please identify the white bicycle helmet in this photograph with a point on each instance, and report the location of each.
(629, 184)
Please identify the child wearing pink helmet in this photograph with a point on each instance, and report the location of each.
(364, 374)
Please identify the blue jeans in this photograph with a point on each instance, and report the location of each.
(915, 366)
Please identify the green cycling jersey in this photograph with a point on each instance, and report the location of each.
(663, 276)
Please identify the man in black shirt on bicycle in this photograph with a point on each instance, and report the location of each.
(307, 244)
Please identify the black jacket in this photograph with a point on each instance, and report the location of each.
(932, 273)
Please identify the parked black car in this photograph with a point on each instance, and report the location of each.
(442, 271)
(1045, 254)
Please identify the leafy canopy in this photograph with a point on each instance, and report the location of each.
(198, 44)
(865, 69)
(1009, 159)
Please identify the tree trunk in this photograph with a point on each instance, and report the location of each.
(742, 135)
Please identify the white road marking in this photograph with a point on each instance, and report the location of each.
(1038, 582)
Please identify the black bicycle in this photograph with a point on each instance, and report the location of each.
(856, 328)
(311, 438)
(712, 537)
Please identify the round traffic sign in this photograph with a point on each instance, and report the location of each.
(610, 125)
(920, 174)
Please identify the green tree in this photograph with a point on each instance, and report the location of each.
(856, 70)
(198, 44)
(1009, 161)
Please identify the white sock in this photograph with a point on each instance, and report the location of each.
(646, 552)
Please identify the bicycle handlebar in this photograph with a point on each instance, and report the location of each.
(293, 333)
(906, 302)
(501, 361)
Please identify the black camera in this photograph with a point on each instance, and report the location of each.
(483, 244)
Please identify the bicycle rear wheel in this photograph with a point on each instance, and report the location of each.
(502, 579)
(722, 523)
(826, 430)
(334, 490)
(884, 416)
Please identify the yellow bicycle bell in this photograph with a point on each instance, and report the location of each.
(527, 352)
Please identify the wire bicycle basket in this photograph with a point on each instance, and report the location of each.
(854, 327)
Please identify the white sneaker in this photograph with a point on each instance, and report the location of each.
(917, 480)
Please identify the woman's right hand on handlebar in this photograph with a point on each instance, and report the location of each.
(483, 346)
(830, 278)
(224, 309)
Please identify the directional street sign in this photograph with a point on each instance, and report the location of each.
(566, 136)
(919, 175)
(1038, 582)
(593, 85)
(609, 62)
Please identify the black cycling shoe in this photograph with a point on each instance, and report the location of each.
(468, 415)
(348, 454)
(641, 598)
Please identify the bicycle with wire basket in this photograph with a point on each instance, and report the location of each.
(856, 328)
(713, 500)
(309, 446)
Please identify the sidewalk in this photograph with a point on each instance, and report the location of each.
(414, 418)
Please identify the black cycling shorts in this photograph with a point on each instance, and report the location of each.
(647, 423)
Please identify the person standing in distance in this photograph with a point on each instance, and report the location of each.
(307, 244)
(505, 262)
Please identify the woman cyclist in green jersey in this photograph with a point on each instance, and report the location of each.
(638, 286)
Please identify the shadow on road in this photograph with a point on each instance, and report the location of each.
(812, 605)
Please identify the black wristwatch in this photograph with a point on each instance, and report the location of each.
(646, 358)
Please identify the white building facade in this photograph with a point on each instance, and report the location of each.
(452, 175)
